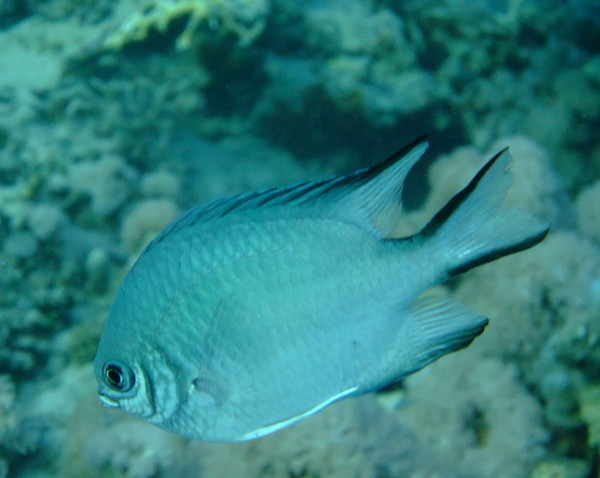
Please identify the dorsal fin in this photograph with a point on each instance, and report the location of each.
(374, 195)
(370, 197)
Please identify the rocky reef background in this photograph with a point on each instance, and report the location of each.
(115, 116)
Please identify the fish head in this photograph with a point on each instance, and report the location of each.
(148, 389)
(161, 391)
(154, 373)
(197, 410)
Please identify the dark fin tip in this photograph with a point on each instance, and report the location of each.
(443, 214)
(466, 339)
(406, 149)
(463, 338)
(391, 387)
(498, 253)
(386, 163)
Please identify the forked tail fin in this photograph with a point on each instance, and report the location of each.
(472, 229)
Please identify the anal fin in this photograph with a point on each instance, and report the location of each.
(438, 326)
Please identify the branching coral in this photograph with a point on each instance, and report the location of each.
(244, 18)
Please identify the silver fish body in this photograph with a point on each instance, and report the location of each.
(255, 311)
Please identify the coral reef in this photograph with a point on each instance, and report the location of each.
(116, 116)
(468, 418)
(244, 18)
(356, 439)
(370, 65)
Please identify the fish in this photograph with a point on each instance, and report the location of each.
(257, 310)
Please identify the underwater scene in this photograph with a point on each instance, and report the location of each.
(118, 116)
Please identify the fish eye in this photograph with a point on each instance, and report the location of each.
(118, 376)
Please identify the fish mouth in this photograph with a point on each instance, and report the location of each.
(107, 401)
